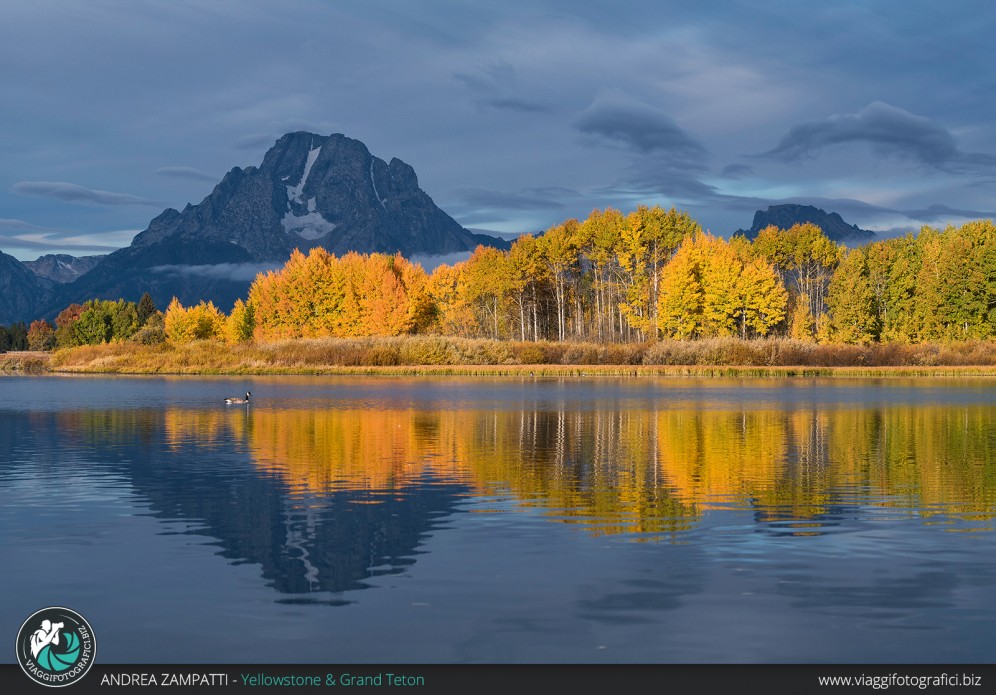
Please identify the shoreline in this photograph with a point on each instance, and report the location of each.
(542, 371)
(447, 356)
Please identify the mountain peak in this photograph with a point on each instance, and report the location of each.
(310, 190)
(788, 214)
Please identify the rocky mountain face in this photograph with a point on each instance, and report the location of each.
(314, 190)
(60, 268)
(20, 291)
(784, 216)
(310, 190)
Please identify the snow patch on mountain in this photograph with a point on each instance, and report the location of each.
(311, 226)
(374, 184)
(295, 192)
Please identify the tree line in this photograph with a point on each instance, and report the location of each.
(610, 278)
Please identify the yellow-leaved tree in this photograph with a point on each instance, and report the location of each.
(320, 295)
(679, 307)
(201, 322)
(240, 323)
(716, 288)
(454, 315)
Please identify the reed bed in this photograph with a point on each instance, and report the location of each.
(447, 355)
(24, 362)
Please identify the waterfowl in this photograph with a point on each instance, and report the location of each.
(235, 401)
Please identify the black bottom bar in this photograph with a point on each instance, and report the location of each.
(574, 679)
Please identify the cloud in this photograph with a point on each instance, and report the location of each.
(514, 104)
(679, 182)
(235, 272)
(278, 128)
(943, 212)
(24, 235)
(478, 218)
(486, 198)
(7, 225)
(50, 247)
(888, 129)
(72, 193)
(188, 173)
(736, 171)
(431, 262)
(851, 208)
(255, 140)
(508, 236)
(637, 126)
(496, 87)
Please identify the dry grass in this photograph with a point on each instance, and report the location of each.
(444, 355)
(24, 362)
(783, 352)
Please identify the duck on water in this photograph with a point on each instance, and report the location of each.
(236, 401)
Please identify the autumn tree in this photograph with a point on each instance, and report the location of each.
(453, 312)
(201, 322)
(356, 295)
(65, 323)
(599, 236)
(41, 335)
(241, 323)
(955, 285)
(851, 302)
(558, 248)
(680, 306)
(904, 261)
(649, 239)
(715, 288)
(488, 284)
(530, 283)
(805, 259)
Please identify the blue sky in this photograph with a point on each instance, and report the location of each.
(514, 118)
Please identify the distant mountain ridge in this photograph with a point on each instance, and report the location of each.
(784, 216)
(61, 268)
(310, 190)
(20, 290)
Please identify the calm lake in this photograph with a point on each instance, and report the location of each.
(504, 520)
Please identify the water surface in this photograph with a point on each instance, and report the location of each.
(504, 520)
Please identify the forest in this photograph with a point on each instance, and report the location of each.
(612, 278)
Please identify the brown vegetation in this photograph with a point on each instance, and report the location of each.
(433, 354)
(26, 362)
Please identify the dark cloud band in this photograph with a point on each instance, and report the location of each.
(887, 128)
(637, 126)
(72, 193)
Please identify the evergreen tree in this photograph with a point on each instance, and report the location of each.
(124, 319)
(146, 308)
(14, 337)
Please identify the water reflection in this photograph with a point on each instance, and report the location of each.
(629, 471)
(323, 500)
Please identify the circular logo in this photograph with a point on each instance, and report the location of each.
(56, 646)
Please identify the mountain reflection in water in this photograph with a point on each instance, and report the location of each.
(545, 509)
(323, 499)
